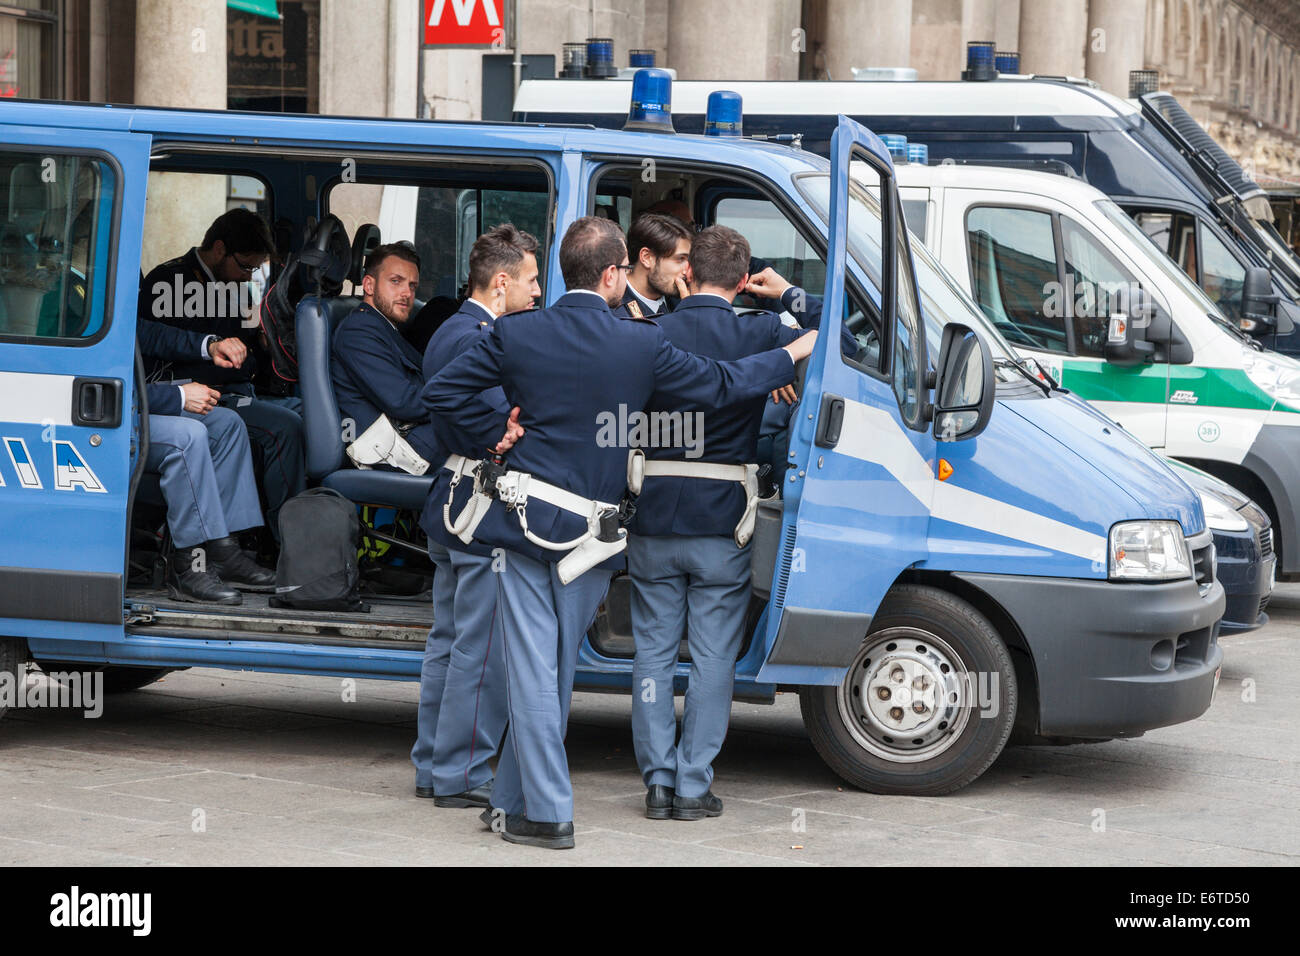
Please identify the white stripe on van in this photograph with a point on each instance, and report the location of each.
(30, 399)
(872, 434)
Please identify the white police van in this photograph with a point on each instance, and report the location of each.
(933, 574)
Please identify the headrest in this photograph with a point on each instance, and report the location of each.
(326, 257)
(365, 241)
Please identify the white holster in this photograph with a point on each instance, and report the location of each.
(381, 443)
(639, 468)
(514, 489)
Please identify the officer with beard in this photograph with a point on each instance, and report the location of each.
(659, 247)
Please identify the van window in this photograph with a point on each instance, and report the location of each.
(54, 244)
(773, 239)
(916, 212)
(1096, 287)
(1013, 273)
(1222, 276)
(443, 221)
(1175, 235)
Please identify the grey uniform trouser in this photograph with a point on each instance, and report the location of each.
(206, 467)
(695, 587)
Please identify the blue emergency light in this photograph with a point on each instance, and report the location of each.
(918, 153)
(723, 114)
(640, 59)
(897, 146)
(1007, 62)
(600, 58)
(652, 102)
(979, 61)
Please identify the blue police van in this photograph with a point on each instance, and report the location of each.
(957, 550)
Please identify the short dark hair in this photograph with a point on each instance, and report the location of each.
(242, 232)
(501, 249)
(589, 247)
(380, 253)
(719, 257)
(656, 232)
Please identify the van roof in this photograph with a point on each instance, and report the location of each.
(339, 132)
(1008, 96)
(961, 175)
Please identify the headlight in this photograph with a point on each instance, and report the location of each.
(1275, 374)
(1220, 516)
(1149, 551)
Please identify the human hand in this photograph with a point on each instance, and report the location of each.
(228, 353)
(514, 432)
(199, 398)
(802, 347)
(767, 284)
(786, 392)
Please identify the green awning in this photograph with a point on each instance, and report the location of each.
(263, 8)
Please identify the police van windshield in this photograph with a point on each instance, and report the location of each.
(942, 300)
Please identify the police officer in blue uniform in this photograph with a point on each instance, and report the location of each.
(568, 367)
(462, 713)
(658, 247)
(375, 371)
(202, 455)
(688, 558)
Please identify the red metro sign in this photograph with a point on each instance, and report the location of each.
(464, 23)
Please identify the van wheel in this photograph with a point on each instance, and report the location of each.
(13, 666)
(927, 704)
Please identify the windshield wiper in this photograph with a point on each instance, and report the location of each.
(1045, 383)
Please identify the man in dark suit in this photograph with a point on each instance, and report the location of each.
(374, 369)
(462, 712)
(658, 246)
(572, 369)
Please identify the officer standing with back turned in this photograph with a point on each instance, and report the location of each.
(565, 367)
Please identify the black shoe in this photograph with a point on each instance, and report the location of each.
(236, 568)
(478, 797)
(659, 802)
(550, 836)
(697, 808)
(424, 791)
(202, 587)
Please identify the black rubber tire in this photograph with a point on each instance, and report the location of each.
(13, 662)
(969, 634)
(118, 679)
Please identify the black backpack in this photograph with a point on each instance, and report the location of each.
(319, 537)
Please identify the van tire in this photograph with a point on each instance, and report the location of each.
(13, 661)
(918, 631)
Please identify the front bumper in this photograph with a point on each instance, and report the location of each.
(1246, 571)
(1114, 659)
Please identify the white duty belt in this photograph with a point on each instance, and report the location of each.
(381, 443)
(639, 468)
(515, 489)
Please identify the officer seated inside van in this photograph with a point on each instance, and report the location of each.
(377, 373)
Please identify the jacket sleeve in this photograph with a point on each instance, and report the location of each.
(807, 311)
(169, 343)
(455, 392)
(164, 399)
(380, 374)
(700, 382)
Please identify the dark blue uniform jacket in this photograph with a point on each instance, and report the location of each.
(570, 367)
(377, 372)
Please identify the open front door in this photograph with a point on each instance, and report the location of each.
(861, 467)
(69, 260)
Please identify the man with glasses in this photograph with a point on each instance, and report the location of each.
(207, 290)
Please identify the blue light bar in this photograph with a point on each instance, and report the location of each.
(723, 116)
(979, 61)
(918, 153)
(1007, 62)
(897, 146)
(638, 59)
(600, 57)
(651, 109)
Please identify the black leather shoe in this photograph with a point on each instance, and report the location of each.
(236, 568)
(659, 802)
(550, 836)
(424, 791)
(697, 808)
(478, 797)
(202, 587)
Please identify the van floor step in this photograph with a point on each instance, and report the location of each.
(399, 620)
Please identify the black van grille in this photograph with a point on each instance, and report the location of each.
(783, 579)
(1203, 566)
(1265, 541)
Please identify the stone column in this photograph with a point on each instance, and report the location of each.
(735, 39)
(1053, 36)
(180, 61)
(1116, 42)
(1007, 26)
(867, 34)
(938, 50)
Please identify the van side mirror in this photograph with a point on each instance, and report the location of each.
(965, 385)
(1126, 338)
(1258, 303)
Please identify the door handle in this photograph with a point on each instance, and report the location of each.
(97, 402)
(830, 421)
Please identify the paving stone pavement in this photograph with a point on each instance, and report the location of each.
(236, 768)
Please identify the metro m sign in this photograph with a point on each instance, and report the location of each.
(464, 23)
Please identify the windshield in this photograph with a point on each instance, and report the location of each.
(942, 299)
(1279, 252)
